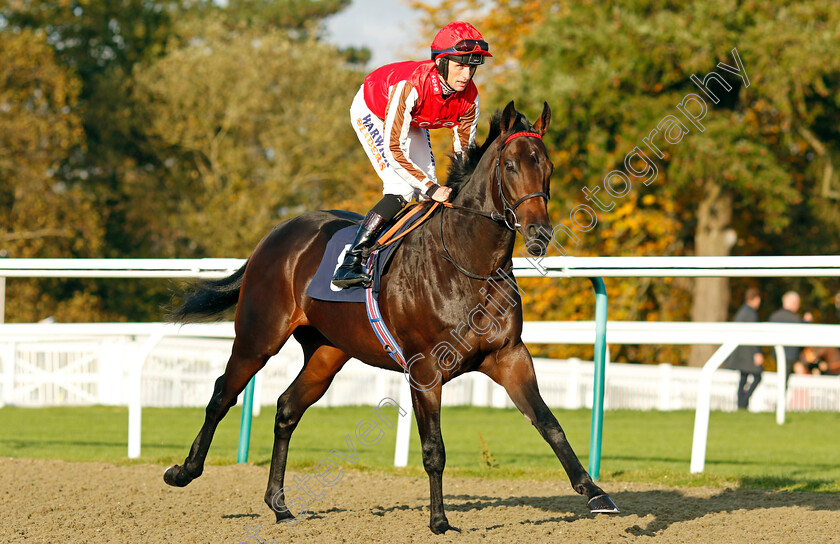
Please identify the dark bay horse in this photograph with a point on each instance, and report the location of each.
(454, 263)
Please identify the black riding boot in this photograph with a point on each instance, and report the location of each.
(350, 272)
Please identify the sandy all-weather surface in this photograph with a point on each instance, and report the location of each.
(57, 501)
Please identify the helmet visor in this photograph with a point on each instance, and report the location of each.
(472, 58)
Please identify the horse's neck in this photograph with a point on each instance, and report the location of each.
(478, 191)
(484, 242)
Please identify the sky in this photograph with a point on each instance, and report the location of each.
(389, 28)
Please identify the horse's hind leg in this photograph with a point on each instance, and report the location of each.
(514, 370)
(321, 363)
(244, 362)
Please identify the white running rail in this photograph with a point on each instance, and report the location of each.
(555, 267)
(476, 390)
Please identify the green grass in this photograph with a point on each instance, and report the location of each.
(745, 450)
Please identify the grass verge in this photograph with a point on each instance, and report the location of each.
(745, 450)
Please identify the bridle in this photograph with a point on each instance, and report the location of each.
(510, 209)
(507, 217)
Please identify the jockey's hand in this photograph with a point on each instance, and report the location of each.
(442, 194)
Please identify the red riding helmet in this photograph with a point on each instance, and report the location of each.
(460, 42)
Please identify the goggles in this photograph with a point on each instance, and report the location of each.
(477, 49)
(469, 46)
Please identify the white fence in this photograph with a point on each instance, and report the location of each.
(56, 370)
(65, 375)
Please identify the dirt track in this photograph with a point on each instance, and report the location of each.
(55, 501)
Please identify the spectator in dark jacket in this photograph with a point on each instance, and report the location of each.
(747, 359)
(787, 314)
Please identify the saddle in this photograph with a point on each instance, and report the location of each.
(378, 258)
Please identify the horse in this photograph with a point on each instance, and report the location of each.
(457, 261)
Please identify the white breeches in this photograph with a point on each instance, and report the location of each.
(369, 129)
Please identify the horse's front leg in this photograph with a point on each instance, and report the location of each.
(427, 413)
(513, 369)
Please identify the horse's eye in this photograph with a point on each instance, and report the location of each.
(509, 166)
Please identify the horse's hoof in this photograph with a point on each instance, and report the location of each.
(284, 516)
(602, 504)
(176, 476)
(282, 513)
(442, 526)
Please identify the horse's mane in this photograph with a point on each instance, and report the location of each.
(462, 166)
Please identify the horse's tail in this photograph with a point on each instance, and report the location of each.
(208, 299)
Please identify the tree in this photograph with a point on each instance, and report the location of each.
(251, 127)
(40, 124)
(133, 187)
(302, 17)
(98, 42)
(752, 167)
(41, 215)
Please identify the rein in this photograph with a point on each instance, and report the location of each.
(507, 217)
(495, 216)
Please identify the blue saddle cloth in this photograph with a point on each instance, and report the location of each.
(321, 286)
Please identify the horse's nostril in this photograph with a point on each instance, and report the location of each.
(532, 230)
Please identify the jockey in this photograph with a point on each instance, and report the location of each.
(392, 114)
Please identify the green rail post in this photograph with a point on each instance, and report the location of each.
(245, 426)
(598, 386)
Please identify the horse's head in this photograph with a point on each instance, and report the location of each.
(522, 173)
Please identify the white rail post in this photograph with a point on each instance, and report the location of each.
(403, 424)
(136, 392)
(109, 374)
(781, 391)
(704, 394)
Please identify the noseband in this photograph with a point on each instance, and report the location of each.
(509, 213)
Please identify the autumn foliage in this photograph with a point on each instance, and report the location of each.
(179, 129)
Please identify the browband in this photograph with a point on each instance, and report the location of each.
(518, 134)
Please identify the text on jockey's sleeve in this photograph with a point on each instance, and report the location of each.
(374, 139)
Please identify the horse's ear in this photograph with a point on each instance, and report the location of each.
(508, 117)
(541, 126)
